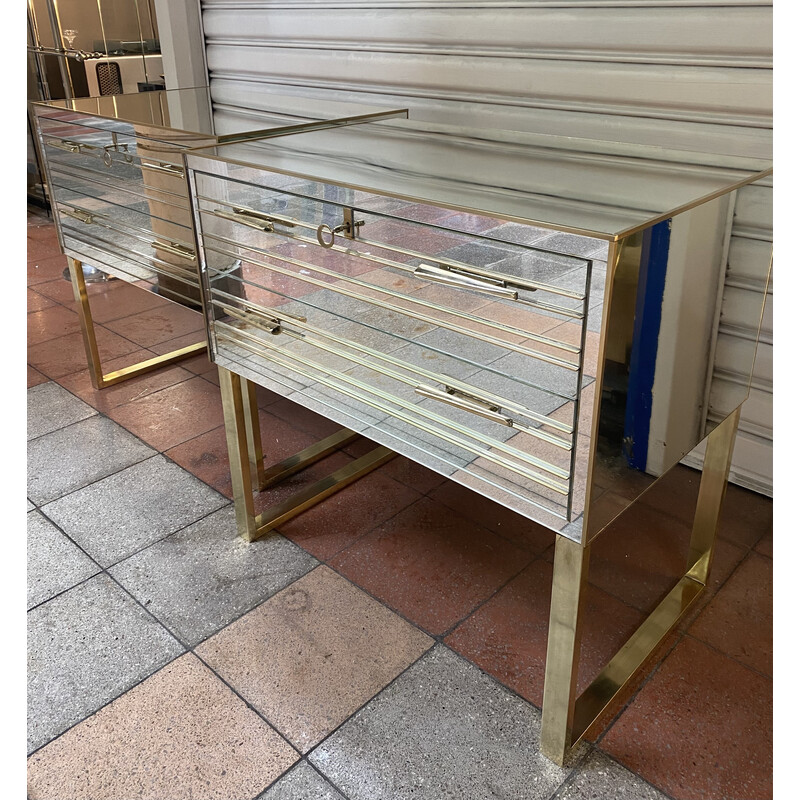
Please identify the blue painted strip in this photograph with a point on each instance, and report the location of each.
(646, 329)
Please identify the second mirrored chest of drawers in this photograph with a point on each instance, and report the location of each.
(118, 192)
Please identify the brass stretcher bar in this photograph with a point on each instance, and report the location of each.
(567, 718)
(248, 474)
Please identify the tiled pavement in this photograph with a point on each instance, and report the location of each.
(388, 644)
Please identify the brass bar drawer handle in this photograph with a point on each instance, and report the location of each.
(466, 403)
(450, 277)
(160, 166)
(254, 219)
(176, 249)
(260, 215)
(70, 146)
(259, 225)
(75, 213)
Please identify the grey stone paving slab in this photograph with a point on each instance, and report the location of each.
(54, 562)
(575, 245)
(30, 505)
(70, 458)
(205, 576)
(442, 729)
(602, 777)
(302, 783)
(517, 233)
(86, 647)
(120, 514)
(51, 407)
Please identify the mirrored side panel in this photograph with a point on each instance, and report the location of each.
(669, 296)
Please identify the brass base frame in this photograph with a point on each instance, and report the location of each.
(102, 380)
(248, 474)
(565, 718)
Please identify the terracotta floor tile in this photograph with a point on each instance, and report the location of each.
(80, 383)
(507, 636)
(46, 269)
(346, 516)
(206, 456)
(401, 469)
(38, 302)
(764, 546)
(746, 516)
(498, 519)
(172, 415)
(198, 365)
(66, 354)
(184, 340)
(35, 377)
(116, 299)
(281, 492)
(410, 473)
(40, 225)
(160, 324)
(313, 654)
(676, 493)
(738, 620)
(41, 245)
(431, 564)
(700, 729)
(59, 291)
(180, 734)
(642, 554)
(50, 323)
(303, 418)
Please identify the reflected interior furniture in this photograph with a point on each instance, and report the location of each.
(118, 190)
(531, 316)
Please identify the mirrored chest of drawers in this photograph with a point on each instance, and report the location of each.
(118, 190)
(529, 315)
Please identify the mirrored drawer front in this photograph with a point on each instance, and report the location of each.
(539, 362)
(125, 242)
(435, 269)
(139, 167)
(455, 414)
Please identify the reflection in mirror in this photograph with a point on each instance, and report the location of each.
(661, 389)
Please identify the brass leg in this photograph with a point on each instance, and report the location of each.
(253, 433)
(99, 380)
(565, 720)
(242, 430)
(236, 422)
(570, 569)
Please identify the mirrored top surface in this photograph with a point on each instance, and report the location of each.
(604, 189)
(192, 111)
